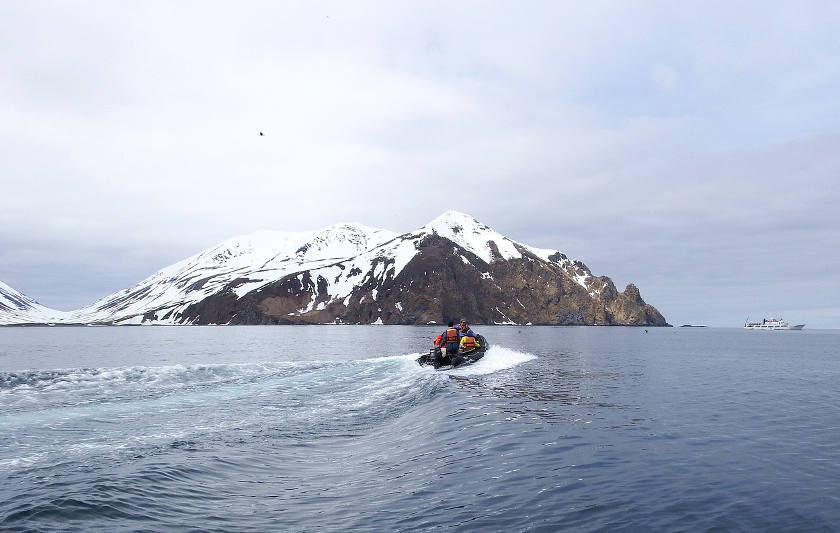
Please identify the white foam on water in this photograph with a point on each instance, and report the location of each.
(401, 357)
(75, 380)
(145, 407)
(13, 463)
(497, 358)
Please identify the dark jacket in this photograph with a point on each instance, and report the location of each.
(466, 333)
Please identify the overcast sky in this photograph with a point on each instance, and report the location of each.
(691, 148)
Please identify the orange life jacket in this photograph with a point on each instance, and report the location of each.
(468, 343)
(438, 340)
(452, 335)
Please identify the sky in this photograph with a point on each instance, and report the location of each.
(690, 148)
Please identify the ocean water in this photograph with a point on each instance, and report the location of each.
(336, 428)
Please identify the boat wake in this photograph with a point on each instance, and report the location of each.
(147, 407)
(496, 359)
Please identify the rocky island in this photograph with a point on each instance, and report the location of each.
(353, 274)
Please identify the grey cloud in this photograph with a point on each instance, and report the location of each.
(653, 142)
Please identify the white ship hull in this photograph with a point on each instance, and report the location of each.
(773, 324)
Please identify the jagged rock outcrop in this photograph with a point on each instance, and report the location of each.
(454, 266)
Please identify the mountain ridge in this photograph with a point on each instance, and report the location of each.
(351, 273)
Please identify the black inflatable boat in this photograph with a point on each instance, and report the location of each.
(437, 359)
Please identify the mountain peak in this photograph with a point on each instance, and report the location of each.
(475, 236)
(455, 221)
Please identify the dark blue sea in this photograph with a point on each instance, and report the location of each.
(336, 428)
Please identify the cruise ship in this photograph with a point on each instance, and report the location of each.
(771, 323)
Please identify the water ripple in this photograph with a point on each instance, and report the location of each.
(576, 429)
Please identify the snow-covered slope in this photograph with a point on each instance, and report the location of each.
(255, 260)
(465, 232)
(328, 266)
(487, 244)
(17, 308)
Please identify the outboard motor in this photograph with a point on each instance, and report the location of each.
(436, 356)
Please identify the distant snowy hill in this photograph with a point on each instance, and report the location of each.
(348, 273)
(240, 264)
(17, 308)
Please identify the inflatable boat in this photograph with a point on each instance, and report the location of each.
(442, 361)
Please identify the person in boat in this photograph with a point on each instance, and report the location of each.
(464, 329)
(450, 340)
(469, 343)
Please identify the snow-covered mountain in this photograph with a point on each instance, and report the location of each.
(17, 308)
(240, 264)
(349, 273)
